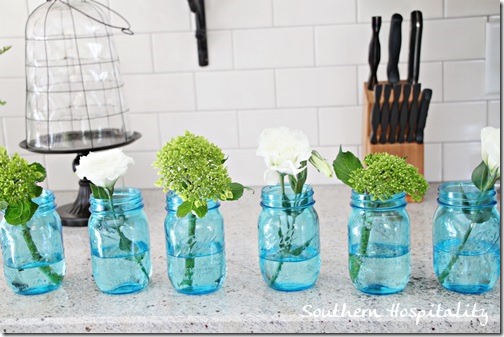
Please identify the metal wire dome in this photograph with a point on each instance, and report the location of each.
(74, 87)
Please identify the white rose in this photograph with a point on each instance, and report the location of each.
(490, 147)
(104, 168)
(283, 151)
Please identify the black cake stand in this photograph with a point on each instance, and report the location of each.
(77, 214)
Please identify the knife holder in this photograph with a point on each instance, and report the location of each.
(413, 152)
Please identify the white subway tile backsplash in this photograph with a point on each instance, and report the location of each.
(179, 52)
(60, 176)
(453, 39)
(385, 8)
(153, 15)
(170, 92)
(273, 48)
(471, 8)
(2, 138)
(464, 80)
(316, 87)
(14, 133)
(219, 127)
(235, 90)
(13, 92)
(12, 62)
(134, 53)
(313, 12)
(433, 157)
(246, 167)
(225, 14)
(251, 124)
(340, 125)
(148, 126)
(460, 159)
(454, 122)
(142, 174)
(342, 44)
(494, 114)
(13, 15)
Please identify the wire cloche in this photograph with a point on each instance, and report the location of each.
(74, 86)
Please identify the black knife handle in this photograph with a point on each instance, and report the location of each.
(385, 114)
(413, 118)
(374, 52)
(394, 48)
(394, 114)
(403, 114)
(415, 44)
(422, 115)
(376, 114)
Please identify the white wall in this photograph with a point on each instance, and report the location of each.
(299, 63)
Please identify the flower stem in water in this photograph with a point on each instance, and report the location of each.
(189, 262)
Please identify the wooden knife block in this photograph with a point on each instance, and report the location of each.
(413, 152)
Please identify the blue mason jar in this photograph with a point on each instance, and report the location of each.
(33, 255)
(289, 238)
(379, 244)
(195, 247)
(466, 238)
(120, 244)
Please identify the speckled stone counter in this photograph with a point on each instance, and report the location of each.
(245, 303)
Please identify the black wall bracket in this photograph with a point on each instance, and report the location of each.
(198, 8)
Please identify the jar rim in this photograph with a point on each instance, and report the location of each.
(271, 197)
(465, 194)
(172, 198)
(121, 195)
(365, 201)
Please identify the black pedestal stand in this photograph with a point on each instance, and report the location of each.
(77, 213)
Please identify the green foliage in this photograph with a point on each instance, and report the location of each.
(483, 178)
(383, 176)
(194, 168)
(18, 186)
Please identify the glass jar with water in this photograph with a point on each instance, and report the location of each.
(289, 238)
(120, 243)
(379, 244)
(195, 247)
(33, 255)
(466, 238)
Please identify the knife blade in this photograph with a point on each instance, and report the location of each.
(394, 114)
(374, 52)
(376, 114)
(403, 114)
(394, 47)
(385, 113)
(415, 44)
(413, 117)
(422, 115)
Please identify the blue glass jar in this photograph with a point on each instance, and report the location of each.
(379, 244)
(33, 255)
(195, 247)
(289, 238)
(466, 238)
(120, 244)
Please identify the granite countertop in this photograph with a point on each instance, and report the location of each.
(245, 303)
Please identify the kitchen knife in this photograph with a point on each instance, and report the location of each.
(375, 114)
(394, 48)
(422, 115)
(374, 52)
(403, 114)
(413, 117)
(385, 113)
(394, 114)
(415, 43)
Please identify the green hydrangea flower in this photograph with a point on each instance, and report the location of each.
(18, 186)
(194, 168)
(386, 175)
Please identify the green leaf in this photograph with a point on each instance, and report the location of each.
(482, 177)
(344, 164)
(184, 209)
(36, 190)
(125, 244)
(100, 192)
(237, 190)
(3, 102)
(20, 212)
(298, 182)
(40, 171)
(3, 205)
(4, 49)
(201, 211)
